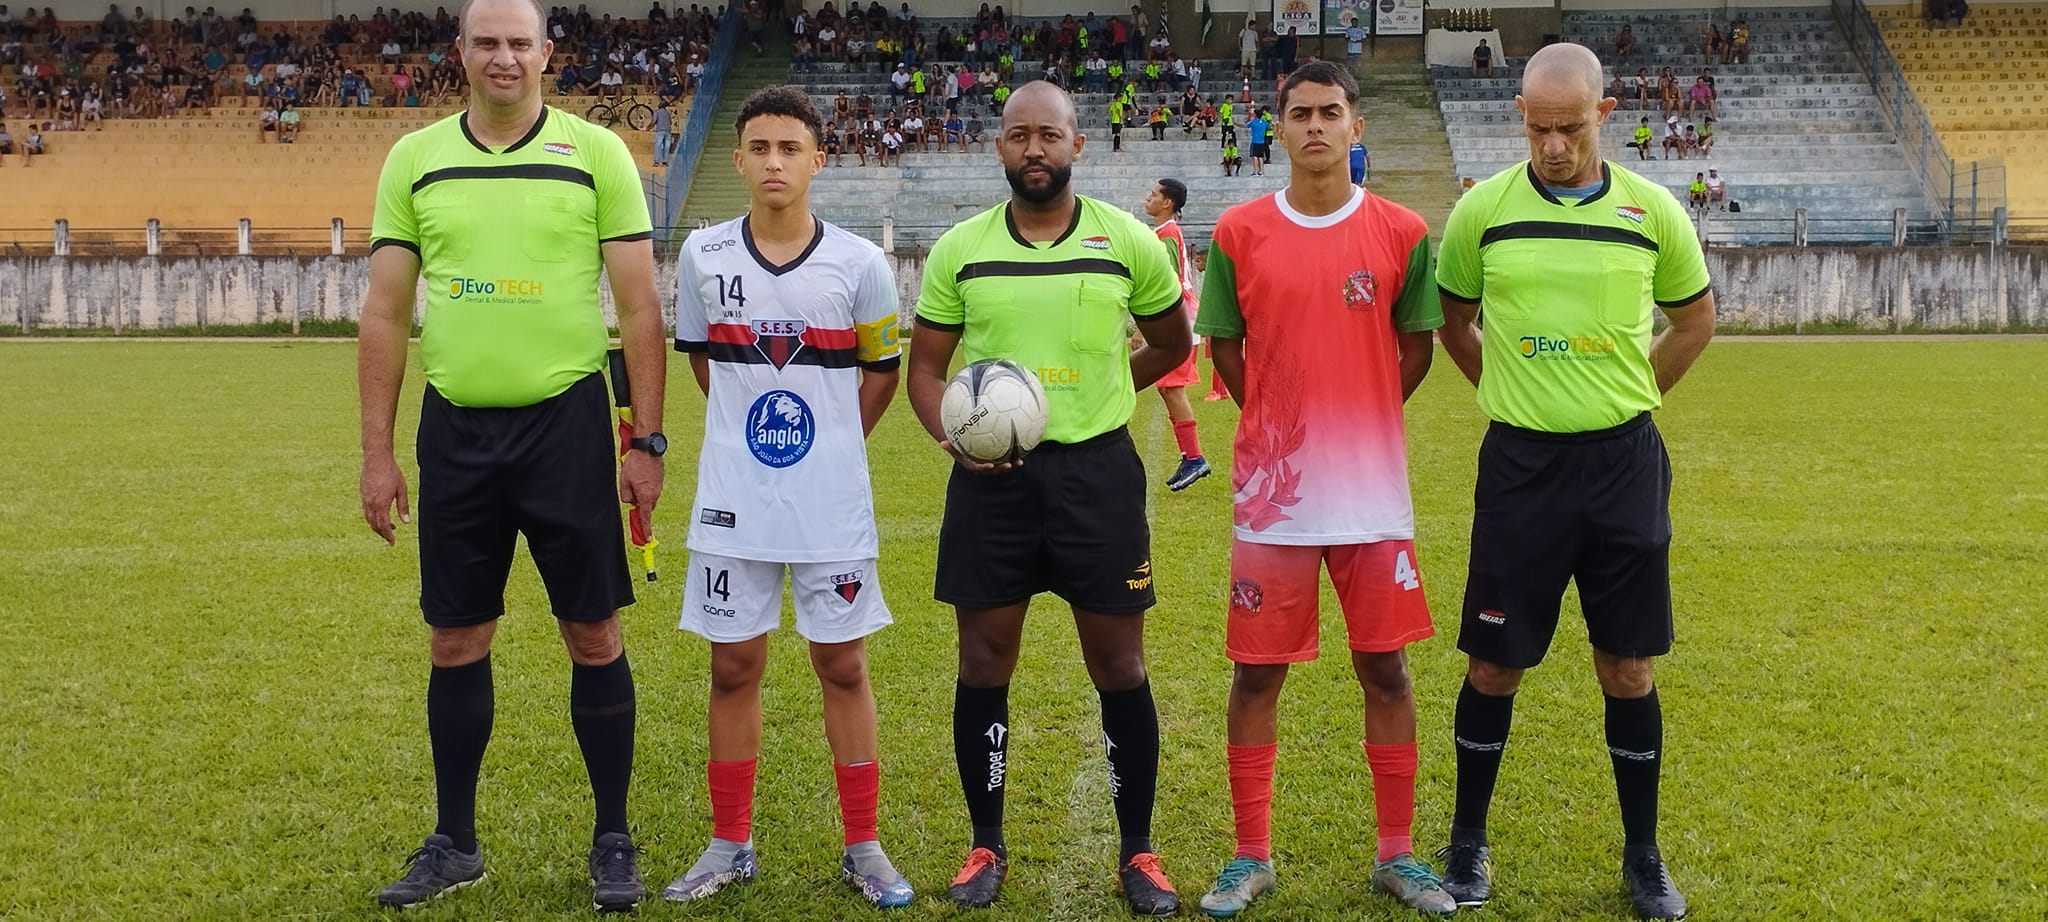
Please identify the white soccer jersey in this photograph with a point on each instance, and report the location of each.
(783, 472)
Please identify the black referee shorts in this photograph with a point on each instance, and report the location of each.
(1554, 507)
(1071, 521)
(548, 471)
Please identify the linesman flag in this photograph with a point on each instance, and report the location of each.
(1208, 19)
(622, 399)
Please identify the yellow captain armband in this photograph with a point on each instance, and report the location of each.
(875, 340)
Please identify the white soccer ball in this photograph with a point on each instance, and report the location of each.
(993, 410)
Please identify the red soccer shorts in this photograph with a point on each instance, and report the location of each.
(1273, 590)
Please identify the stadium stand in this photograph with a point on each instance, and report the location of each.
(1984, 83)
(197, 168)
(1796, 124)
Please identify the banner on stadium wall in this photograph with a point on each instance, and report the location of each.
(1397, 17)
(1305, 16)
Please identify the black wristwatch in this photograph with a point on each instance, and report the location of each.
(654, 443)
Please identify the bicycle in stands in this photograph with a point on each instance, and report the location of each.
(639, 116)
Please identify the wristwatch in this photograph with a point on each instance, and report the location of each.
(654, 443)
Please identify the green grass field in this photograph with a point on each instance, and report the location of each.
(215, 673)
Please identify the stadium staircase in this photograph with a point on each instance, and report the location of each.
(1798, 126)
(1411, 156)
(1985, 86)
(716, 191)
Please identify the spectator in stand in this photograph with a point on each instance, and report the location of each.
(1160, 116)
(401, 87)
(974, 133)
(914, 132)
(1095, 73)
(1696, 195)
(1617, 89)
(1670, 99)
(1712, 43)
(1674, 139)
(1738, 44)
(1624, 44)
(757, 24)
(1482, 60)
(32, 145)
(1231, 161)
(288, 125)
(352, 87)
(864, 106)
(1159, 47)
(1247, 49)
(1642, 139)
(1289, 49)
(266, 121)
(1717, 189)
(1707, 137)
(664, 122)
(1699, 97)
(6, 140)
(89, 109)
(391, 52)
(999, 96)
(1642, 85)
(1354, 43)
(831, 144)
(1260, 130)
(1688, 143)
(899, 83)
(693, 73)
(892, 146)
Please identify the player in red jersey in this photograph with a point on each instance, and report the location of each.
(1328, 288)
(1163, 205)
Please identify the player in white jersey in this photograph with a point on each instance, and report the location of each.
(790, 325)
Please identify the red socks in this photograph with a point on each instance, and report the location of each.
(1251, 798)
(1184, 435)
(732, 799)
(1393, 795)
(859, 785)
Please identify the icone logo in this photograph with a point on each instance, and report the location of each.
(715, 247)
(1587, 348)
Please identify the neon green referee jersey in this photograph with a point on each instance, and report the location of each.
(508, 241)
(1057, 308)
(1565, 290)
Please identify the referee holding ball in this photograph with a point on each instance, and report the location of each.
(1565, 256)
(511, 209)
(1048, 280)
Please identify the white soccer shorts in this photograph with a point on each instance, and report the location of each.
(728, 600)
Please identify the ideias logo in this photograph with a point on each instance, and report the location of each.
(1568, 348)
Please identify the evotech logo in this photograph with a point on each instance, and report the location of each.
(1579, 348)
(491, 289)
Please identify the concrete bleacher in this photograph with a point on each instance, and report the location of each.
(1796, 127)
(1984, 85)
(197, 171)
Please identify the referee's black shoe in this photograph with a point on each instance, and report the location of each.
(1468, 870)
(615, 874)
(435, 868)
(1649, 884)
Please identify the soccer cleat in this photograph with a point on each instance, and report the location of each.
(1145, 886)
(1468, 872)
(979, 879)
(1649, 884)
(1413, 883)
(435, 868)
(1241, 881)
(615, 874)
(882, 894)
(704, 883)
(1189, 471)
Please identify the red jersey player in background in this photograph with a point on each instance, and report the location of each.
(1163, 205)
(1328, 288)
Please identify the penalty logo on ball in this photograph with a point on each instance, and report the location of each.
(780, 429)
(993, 410)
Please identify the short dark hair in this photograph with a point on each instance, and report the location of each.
(781, 100)
(1323, 73)
(1175, 192)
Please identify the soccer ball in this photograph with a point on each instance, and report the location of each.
(993, 410)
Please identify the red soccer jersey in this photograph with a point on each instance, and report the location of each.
(1170, 232)
(1321, 456)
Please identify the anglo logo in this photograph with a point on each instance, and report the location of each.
(780, 429)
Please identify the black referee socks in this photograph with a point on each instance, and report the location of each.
(1480, 729)
(460, 707)
(601, 709)
(981, 738)
(1635, 742)
(1130, 740)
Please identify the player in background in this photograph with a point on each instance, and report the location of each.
(1163, 205)
(1320, 300)
(790, 325)
(1071, 518)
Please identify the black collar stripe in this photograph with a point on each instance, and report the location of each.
(531, 133)
(1073, 224)
(1007, 269)
(747, 234)
(543, 171)
(1562, 230)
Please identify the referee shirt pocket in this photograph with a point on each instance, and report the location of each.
(1625, 288)
(551, 227)
(1097, 324)
(445, 224)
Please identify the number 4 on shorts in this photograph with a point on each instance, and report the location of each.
(1404, 572)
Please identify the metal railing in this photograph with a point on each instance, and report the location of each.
(156, 239)
(1964, 195)
(1720, 228)
(697, 127)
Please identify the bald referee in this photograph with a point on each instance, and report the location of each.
(1564, 257)
(511, 209)
(1048, 279)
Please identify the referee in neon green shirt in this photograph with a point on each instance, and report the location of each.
(1564, 257)
(510, 210)
(1048, 280)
